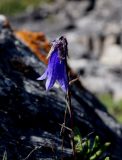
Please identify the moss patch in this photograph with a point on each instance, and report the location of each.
(115, 108)
(13, 7)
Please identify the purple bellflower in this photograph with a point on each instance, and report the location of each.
(57, 65)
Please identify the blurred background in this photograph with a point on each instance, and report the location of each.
(94, 32)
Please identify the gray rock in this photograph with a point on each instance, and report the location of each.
(30, 116)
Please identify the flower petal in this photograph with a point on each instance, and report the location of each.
(43, 76)
(56, 69)
(63, 85)
(62, 75)
(52, 70)
(50, 82)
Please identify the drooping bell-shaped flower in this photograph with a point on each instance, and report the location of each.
(56, 69)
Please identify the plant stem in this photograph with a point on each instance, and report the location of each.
(72, 122)
(69, 106)
(63, 130)
(68, 97)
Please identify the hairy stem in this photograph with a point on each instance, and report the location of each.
(71, 122)
(71, 113)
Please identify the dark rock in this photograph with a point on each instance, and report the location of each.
(91, 5)
(30, 116)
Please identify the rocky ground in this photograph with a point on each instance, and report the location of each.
(30, 116)
(94, 32)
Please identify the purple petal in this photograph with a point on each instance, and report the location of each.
(62, 75)
(56, 70)
(63, 85)
(43, 76)
(53, 60)
(50, 82)
(52, 71)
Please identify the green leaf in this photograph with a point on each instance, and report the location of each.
(77, 140)
(78, 143)
(100, 151)
(107, 158)
(96, 143)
